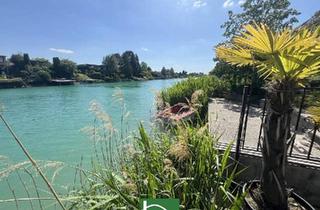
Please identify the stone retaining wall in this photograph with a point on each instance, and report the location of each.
(304, 179)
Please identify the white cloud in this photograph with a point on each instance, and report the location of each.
(241, 2)
(228, 3)
(182, 2)
(60, 50)
(199, 3)
(144, 49)
(192, 3)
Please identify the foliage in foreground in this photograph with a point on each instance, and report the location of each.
(286, 60)
(211, 86)
(184, 164)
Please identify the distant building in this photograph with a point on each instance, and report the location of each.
(2, 66)
(2, 59)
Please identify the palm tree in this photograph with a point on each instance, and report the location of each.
(286, 59)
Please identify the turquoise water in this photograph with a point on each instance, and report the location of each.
(49, 119)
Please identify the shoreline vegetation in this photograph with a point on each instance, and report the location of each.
(195, 92)
(127, 167)
(21, 71)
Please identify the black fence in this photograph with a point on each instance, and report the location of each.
(301, 105)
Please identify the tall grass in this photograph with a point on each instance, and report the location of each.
(211, 86)
(183, 164)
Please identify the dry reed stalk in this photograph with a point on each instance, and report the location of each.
(25, 188)
(35, 186)
(75, 178)
(13, 193)
(80, 171)
(26, 199)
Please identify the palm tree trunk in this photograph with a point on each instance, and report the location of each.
(276, 134)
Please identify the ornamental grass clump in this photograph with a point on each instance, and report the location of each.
(286, 60)
(184, 164)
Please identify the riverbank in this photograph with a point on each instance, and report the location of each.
(20, 83)
(11, 83)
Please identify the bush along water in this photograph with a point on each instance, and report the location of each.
(210, 86)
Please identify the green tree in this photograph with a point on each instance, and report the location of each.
(41, 77)
(21, 66)
(63, 68)
(17, 67)
(130, 65)
(146, 71)
(26, 59)
(56, 63)
(238, 76)
(136, 66)
(164, 72)
(111, 66)
(42, 62)
(167, 73)
(286, 60)
(276, 14)
(171, 72)
(126, 68)
(40, 71)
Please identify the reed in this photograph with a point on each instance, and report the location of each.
(183, 163)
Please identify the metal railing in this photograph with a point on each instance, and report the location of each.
(244, 117)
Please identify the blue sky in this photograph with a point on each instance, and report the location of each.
(177, 33)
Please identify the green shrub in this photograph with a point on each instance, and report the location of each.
(184, 165)
(42, 77)
(81, 77)
(182, 91)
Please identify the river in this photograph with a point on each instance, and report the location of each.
(49, 121)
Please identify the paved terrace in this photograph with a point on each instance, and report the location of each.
(224, 120)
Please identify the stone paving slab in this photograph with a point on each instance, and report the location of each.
(224, 120)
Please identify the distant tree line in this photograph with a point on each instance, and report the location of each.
(114, 67)
(39, 70)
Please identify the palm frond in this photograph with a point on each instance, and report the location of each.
(284, 55)
(314, 111)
